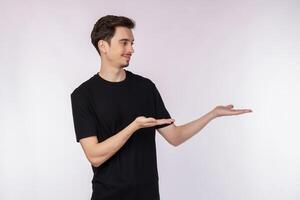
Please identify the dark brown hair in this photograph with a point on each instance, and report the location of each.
(105, 27)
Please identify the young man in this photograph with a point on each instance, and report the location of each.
(116, 113)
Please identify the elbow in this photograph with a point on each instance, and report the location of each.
(96, 162)
(175, 144)
(177, 140)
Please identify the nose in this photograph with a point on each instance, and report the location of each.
(131, 50)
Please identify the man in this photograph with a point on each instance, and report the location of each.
(116, 113)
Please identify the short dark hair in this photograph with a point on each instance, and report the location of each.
(105, 28)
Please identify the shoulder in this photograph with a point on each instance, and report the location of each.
(140, 79)
(82, 89)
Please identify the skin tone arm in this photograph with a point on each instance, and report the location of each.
(176, 135)
(97, 153)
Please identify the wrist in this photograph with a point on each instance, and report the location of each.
(134, 126)
(213, 114)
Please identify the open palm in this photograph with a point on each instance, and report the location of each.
(228, 110)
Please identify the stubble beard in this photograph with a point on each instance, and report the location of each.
(124, 66)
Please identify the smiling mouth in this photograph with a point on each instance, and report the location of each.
(128, 57)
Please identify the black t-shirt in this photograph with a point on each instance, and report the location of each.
(102, 108)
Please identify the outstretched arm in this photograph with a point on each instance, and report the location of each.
(176, 135)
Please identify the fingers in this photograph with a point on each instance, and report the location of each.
(230, 106)
(150, 121)
(241, 111)
(164, 121)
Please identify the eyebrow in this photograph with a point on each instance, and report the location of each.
(125, 39)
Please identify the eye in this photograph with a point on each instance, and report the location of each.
(124, 43)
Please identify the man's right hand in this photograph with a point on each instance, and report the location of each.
(144, 122)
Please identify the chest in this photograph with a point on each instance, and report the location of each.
(121, 106)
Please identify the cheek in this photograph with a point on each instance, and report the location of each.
(117, 51)
(114, 53)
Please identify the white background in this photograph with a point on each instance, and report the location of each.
(200, 54)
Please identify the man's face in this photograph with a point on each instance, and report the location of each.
(120, 49)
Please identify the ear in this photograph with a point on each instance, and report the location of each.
(102, 45)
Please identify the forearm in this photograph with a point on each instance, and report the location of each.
(104, 150)
(186, 131)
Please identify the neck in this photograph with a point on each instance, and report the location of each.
(112, 73)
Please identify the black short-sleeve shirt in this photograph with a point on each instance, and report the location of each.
(102, 108)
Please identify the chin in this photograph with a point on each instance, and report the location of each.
(126, 65)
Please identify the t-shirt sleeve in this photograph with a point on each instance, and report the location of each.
(83, 119)
(161, 111)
